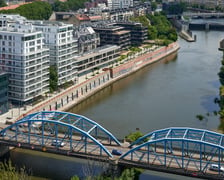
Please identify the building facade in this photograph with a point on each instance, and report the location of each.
(58, 37)
(122, 4)
(88, 39)
(98, 58)
(138, 32)
(4, 105)
(110, 34)
(26, 60)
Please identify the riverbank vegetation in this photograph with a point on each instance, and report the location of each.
(159, 27)
(127, 174)
(9, 172)
(221, 94)
(133, 136)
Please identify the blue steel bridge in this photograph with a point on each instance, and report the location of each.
(181, 150)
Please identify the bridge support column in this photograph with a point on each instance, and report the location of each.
(114, 170)
(3, 150)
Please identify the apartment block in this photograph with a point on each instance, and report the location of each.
(138, 32)
(110, 34)
(88, 39)
(97, 58)
(4, 105)
(58, 37)
(6, 19)
(122, 4)
(26, 60)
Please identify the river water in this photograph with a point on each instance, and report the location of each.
(166, 94)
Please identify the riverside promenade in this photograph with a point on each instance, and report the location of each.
(91, 83)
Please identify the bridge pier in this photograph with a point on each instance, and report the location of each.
(3, 150)
(114, 170)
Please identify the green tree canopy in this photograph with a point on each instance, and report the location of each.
(37, 10)
(53, 78)
(2, 3)
(68, 5)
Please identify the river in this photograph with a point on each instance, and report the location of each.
(166, 94)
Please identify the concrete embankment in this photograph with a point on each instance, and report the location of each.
(188, 37)
(77, 93)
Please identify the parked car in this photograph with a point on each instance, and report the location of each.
(116, 152)
(215, 167)
(57, 143)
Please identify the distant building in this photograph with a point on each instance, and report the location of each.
(4, 105)
(110, 34)
(88, 39)
(206, 3)
(138, 32)
(121, 14)
(122, 4)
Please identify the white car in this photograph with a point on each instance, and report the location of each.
(215, 167)
(57, 143)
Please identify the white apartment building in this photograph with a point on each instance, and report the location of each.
(6, 19)
(63, 47)
(26, 60)
(122, 4)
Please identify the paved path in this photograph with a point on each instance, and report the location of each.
(14, 112)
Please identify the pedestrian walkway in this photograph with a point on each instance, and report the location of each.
(16, 111)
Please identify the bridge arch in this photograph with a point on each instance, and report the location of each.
(182, 148)
(74, 132)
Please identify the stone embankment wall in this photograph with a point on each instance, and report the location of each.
(142, 59)
(74, 95)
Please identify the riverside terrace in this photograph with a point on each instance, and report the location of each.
(179, 150)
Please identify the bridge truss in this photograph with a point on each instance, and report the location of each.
(181, 148)
(67, 131)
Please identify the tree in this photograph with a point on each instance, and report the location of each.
(133, 136)
(37, 10)
(53, 78)
(152, 32)
(154, 6)
(68, 5)
(2, 3)
(8, 171)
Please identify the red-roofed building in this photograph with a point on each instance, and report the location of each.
(79, 19)
(13, 6)
(95, 18)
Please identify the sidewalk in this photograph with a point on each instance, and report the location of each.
(14, 112)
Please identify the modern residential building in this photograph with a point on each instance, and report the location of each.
(6, 19)
(88, 39)
(138, 32)
(26, 60)
(58, 37)
(122, 4)
(97, 58)
(110, 34)
(4, 105)
(121, 14)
